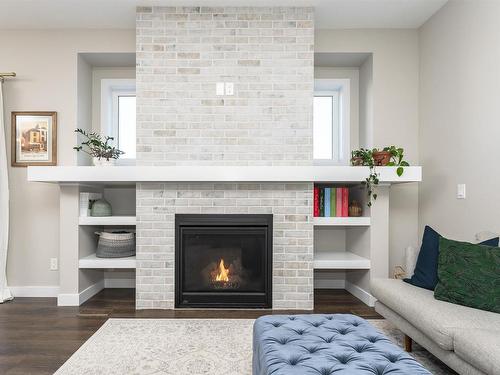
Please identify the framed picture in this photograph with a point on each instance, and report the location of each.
(34, 138)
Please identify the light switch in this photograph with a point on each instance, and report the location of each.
(219, 88)
(229, 88)
(461, 191)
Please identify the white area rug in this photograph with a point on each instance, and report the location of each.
(184, 347)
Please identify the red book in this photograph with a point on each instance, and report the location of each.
(338, 210)
(345, 202)
(316, 201)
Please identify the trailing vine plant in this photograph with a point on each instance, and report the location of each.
(397, 159)
(364, 157)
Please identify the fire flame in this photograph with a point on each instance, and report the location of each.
(223, 274)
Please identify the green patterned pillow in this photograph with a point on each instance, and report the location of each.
(469, 275)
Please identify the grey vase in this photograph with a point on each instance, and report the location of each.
(101, 207)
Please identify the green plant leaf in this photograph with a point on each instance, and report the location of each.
(400, 171)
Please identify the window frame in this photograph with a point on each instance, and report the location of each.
(339, 88)
(111, 90)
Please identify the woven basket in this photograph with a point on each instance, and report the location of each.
(115, 244)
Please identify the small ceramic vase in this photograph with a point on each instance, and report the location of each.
(101, 207)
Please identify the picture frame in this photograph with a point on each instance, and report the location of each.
(34, 138)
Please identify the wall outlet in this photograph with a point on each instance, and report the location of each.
(53, 264)
(219, 88)
(229, 88)
(461, 191)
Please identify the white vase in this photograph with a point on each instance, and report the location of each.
(103, 162)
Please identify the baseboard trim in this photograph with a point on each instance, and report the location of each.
(90, 291)
(76, 299)
(360, 293)
(329, 284)
(34, 291)
(119, 283)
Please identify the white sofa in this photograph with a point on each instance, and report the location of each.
(466, 339)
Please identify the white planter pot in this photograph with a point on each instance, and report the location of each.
(103, 162)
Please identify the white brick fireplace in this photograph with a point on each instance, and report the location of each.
(267, 53)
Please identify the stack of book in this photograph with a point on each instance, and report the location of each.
(331, 201)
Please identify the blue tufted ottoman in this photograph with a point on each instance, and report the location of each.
(326, 344)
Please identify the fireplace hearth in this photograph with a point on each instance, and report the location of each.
(223, 261)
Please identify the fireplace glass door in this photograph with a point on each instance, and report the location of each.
(223, 262)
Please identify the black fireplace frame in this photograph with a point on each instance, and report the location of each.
(216, 299)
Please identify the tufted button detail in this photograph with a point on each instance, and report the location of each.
(299, 331)
(392, 357)
(317, 324)
(313, 349)
(295, 360)
(325, 370)
(328, 340)
(277, 324)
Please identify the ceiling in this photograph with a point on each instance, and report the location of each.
(336, 14)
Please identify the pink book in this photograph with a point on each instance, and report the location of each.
(339, 202)
(345, 202)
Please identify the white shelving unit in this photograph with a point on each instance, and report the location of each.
(133, 174)
(93, 262)
(107, 220)
(342, 221)
(340, 260)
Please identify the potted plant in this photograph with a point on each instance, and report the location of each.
(98, 147)
(396, 159)
(390, 156)
(381, 157)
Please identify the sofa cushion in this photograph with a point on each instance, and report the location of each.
(479, 347)
(469, 275)
(438, 320)
(425, 274)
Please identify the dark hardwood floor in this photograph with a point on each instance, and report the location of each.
(37, 337)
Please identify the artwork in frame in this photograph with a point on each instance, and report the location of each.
(34, 138)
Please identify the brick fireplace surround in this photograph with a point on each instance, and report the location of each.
(268, 54)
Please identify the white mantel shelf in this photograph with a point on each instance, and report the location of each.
(133, 174)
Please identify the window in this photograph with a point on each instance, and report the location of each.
(331, 122)
(118, 115)
(123, 121)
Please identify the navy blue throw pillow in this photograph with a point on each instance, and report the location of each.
(425, 274)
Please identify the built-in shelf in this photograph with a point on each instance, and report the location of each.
(107, 220)
(342, 221)
(133, 174)
(94, 262)
(339, 260)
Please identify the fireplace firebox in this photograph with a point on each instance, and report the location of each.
(223, 261)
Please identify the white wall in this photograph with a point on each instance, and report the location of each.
(98, 74)
(46, 64)
(395, 112)
(460, 114)
(352, 74)
(366, 104)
